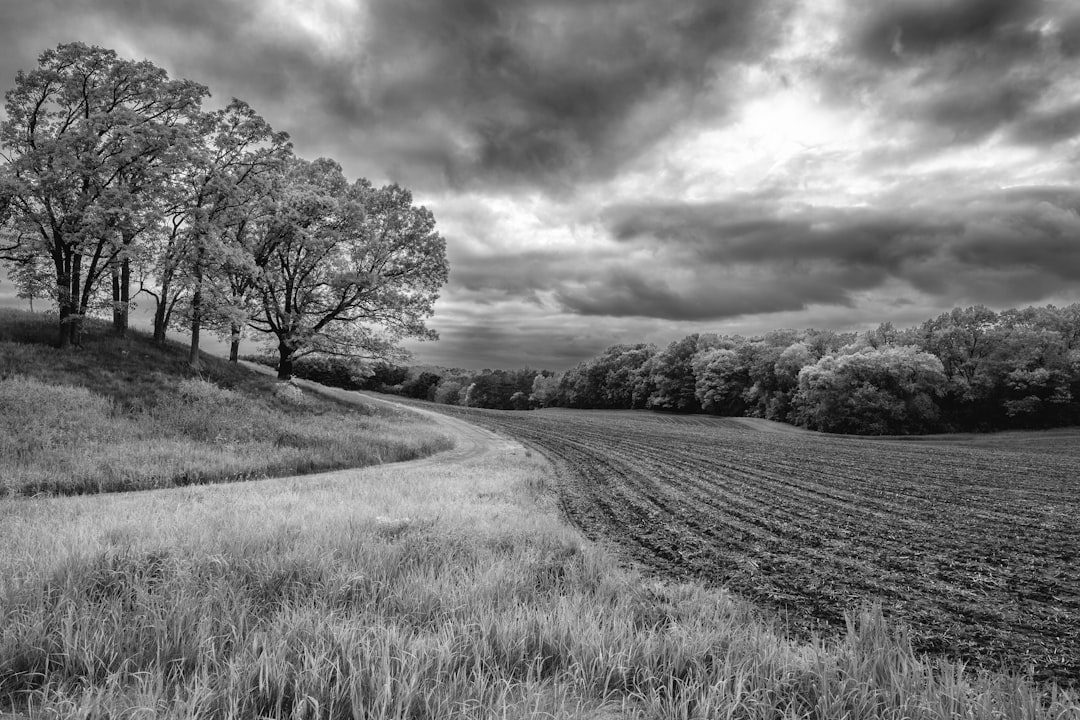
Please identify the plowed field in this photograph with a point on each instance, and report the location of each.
(973, 542)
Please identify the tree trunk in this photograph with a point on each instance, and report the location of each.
(121, 295)
(169, 312)
(159, 323)
(75, 318)
(161, 317)
(196, 326)
(67, 300)
(163, 309)
(234, 344)
(196, 309)
(63, 283)
(285, 362)
(117, 322)
(125, 292)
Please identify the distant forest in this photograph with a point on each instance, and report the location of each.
(971, 369)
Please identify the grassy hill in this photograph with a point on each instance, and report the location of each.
(125, 414)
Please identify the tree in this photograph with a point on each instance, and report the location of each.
(872, 391)
(345, 269)
(545, 389)
(962, 341)
(86, 134)
(1033, 366)
(500, 389)
(721, 380)
(29, 272)
(237, 158)
(576, 387)
(422, 386)
(159, 267)
(673, 377)
(32, 279)
(611, 380)
(968, 343)
(619, 375)
(382, 376)
(448, 392)
(771, 386)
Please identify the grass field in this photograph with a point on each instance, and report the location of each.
(973, 543)
(445, 587)
(420, 591)
(127, 415)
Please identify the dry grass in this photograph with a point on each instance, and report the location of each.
(410, 592)
(126, 415)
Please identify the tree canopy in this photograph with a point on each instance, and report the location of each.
(88, 137)
(111, 170)
(338, 260)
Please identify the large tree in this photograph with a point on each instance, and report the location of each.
(87, 136)
(346, 268)
(672, 375)
(231, 162)
(872, 391)
(238, 158)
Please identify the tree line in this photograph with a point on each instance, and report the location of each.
(116, 182)
(492, 389)
(967, 369)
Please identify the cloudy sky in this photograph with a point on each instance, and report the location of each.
(630, 170)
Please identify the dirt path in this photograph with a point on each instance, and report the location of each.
(470, 441)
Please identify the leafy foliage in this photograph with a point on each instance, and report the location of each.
(874, 391)
(87, 139)
(968, 369)
(338, 260)
(112, 170)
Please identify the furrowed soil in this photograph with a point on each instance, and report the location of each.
(972, 542)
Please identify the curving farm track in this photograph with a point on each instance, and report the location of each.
(974, 543)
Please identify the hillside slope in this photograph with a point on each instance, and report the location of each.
(125, 414)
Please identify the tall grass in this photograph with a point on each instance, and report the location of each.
(126, 415)
(431, 592)
(426, 591)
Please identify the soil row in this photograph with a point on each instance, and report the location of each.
(973, 545)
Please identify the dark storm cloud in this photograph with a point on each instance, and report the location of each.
(704, 296)
(484, 91)
(707, 233)
(1031, 232)
(1047, 128)
(231, 47)
(203, 40)
(1069, 36)
(187, 20)
(961, 69)
(21, 35)
(978, 109)
(1012, 246)
(550, 86)
(921, 27)
(494, 276)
